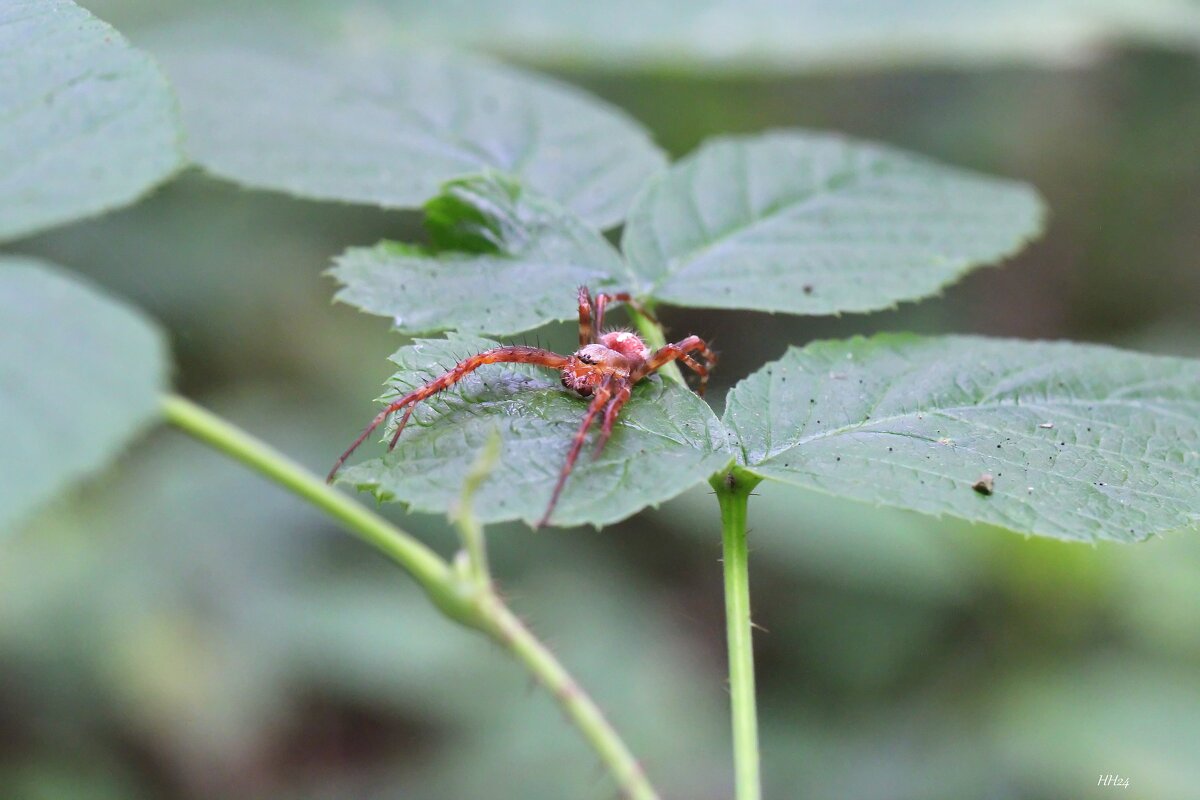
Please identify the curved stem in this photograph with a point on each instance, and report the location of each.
(471, 602)
(582, 710)
(733, 492)
(426, 566)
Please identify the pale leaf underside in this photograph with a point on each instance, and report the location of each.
(388, 128)
(87, 123)
(810, 223)
(80, 374)
(542, 254)
(1081, 442)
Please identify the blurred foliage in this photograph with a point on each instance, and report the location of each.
(180, 629)
(721, 35)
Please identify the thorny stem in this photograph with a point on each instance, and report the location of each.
(652, 332)
(733, 492)
(582, 710)
(467, 602)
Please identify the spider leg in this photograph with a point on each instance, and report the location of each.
(681, 351)
(620, 398)
(587, 332)
(602, 300)
(599, 400)
(515, 354)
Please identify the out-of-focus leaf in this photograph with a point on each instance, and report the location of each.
(812, 223)
(665, 441)
(87, 123)
(1081, 442)
(779, 35)
(743, 36)
(390, 127)
(80, 374)
(514, 261)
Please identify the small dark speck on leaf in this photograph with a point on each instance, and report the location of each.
(808, 288)
(985, 485)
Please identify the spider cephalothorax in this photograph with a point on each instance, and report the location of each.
(604, 368)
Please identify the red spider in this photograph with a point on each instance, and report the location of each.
(604, 368)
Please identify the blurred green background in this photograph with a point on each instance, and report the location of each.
(178, 628)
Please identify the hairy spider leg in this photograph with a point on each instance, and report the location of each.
(620, 398)
(599, 400)
(602, 300)
(591, 314)
(513, 354)
(681, 351)
(587, 332)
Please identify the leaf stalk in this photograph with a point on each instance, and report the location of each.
(733, 492)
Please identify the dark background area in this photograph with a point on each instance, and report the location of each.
(179, 628)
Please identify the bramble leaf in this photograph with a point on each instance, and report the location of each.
(810, 223)
(515, 263)
(80, 374)
(1080, 441)
(87, 123)
(389, 128)
(666, 440)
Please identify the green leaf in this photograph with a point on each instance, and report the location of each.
(518, 262)
(1082, 442)
(810, 223)
(666, 440)
(87, 123)
(80, 374)
(389, 128)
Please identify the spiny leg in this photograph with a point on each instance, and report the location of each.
(602, 301)
(603, 393)
(620, 398)
(700, 369)
(681, 351)
(515, 354)
(587, 332)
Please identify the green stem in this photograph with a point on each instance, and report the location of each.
(426, 566)
(733, 492)
(582, 710)
(473, 602)
(652, 333)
